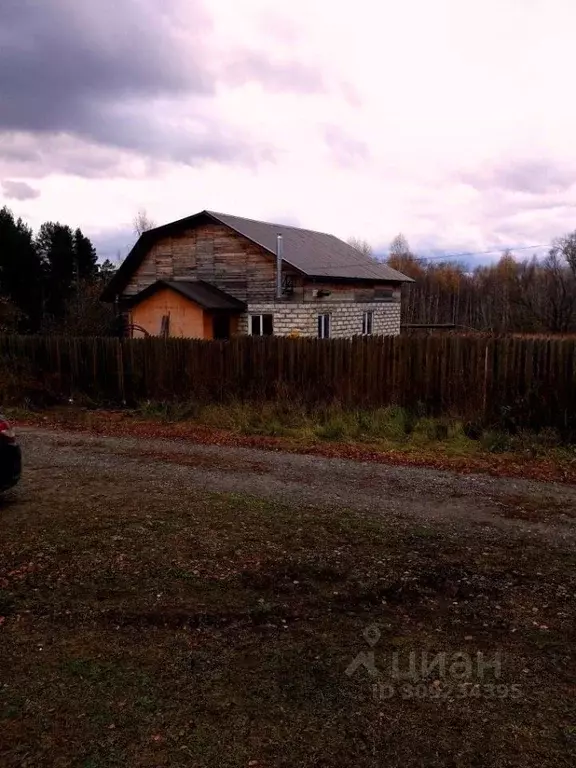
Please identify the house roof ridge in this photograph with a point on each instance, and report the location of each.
(218, 214)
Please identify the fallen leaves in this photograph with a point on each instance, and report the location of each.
(115, 424)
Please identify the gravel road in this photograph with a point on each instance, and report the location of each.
(501, 506)
(154, 592)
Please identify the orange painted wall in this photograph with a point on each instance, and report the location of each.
(208, 327)
(186, 318)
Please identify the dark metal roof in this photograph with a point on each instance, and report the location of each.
(204, 294)
(316, 254)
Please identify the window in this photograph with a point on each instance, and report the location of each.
(384, 294)
(367, 323)
(261, 325)
(323, 326)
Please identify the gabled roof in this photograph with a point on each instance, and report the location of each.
(204, 294)
(314, 254)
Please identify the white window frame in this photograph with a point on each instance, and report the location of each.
(368, 322)
(261, 316)
(324, 325)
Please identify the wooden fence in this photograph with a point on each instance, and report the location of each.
(529, 381)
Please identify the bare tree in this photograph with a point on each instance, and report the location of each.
(561, 284)
(142, 222)
(565, 249)
(547, 291)
(361, 245)
(400, 257)
(399, 247)
(510, 295)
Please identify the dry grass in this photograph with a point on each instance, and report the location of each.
(393, 434)
(146, 625)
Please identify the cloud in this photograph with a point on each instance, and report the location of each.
(536, 177)
(281, 55)
(345, 148)
(19, 190)
(274, 73)
(363, 123)
(528, 176)
(30, 156)
(63, 63)
(134, 76)
(117, 74)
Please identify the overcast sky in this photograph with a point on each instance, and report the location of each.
(452, 121)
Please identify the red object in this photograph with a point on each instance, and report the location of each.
(7, 431)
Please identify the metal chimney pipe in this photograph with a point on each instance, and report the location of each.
(279, 255)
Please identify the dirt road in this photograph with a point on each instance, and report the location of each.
(519, 507)
(171, 604)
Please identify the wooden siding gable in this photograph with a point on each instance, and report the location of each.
(213, 253)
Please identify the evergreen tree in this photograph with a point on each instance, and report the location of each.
(55, 244)
(40, 277)
(85, 255)
(106, 271)
(21, 271)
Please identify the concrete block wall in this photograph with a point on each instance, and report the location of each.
(345, 318)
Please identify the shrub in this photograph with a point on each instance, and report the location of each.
(334, 429)
(387, 423)
(472, 429)
(549, 437)
(495, 442)
(410, 421)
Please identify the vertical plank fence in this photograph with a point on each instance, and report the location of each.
(527, 382)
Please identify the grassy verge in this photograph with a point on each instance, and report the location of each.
(392, 426)
(144, 626)
(392, 434)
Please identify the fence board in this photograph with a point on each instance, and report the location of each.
(530, 382)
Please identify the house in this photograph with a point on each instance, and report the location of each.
(212, 275)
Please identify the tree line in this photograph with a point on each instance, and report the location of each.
(527, 295)
(50, 281)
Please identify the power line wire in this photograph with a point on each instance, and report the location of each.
(484, 253)
(456, 255)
